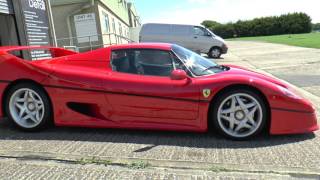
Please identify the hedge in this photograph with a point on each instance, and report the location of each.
(292, 23)
(316, 27)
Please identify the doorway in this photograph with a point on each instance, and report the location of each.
(8, 31)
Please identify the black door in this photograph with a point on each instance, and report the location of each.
(8, 30)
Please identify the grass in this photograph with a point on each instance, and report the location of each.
(138, 165)
(98, 161)
(310, 40)
(94, 160)
(220, 169)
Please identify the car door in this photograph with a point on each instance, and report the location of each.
(141, 90)
(202, 41)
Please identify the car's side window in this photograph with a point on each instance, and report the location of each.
(147, 62)
(199, 31)
(122, 61)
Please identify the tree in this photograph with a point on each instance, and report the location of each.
(292, 23)
(210, 24)
(316, 27)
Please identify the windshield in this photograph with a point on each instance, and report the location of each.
(211, 32)
(197, 64)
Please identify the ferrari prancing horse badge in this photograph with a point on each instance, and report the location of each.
(206, 93)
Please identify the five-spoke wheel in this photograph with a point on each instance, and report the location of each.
(28, 106)
(215, 52)
(239, 114)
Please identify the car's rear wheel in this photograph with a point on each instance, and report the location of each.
(239, 114)
(28, 107)
(215, 52)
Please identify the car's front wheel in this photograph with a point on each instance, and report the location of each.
(239, 114)
(215, 52)
(28, 107)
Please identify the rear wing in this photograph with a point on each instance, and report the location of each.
(48, 52)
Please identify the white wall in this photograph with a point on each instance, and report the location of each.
(135, 33)
(112, 39)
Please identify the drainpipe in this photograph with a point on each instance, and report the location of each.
(53, 31)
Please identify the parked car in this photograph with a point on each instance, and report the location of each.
(147, 86)
(195, 38)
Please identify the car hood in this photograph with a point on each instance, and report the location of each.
(219, 38)
(241, 71)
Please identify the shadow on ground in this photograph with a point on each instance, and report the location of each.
(154, 138)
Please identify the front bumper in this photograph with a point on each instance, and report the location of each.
(292, 122)
(224, 49)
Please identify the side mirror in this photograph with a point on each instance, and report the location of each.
(178, 74)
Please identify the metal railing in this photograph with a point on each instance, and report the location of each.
(91, 42)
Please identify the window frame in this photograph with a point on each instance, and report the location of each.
(114, 26)
(170, 52)
(106, 22)
(120, 28)
(199, 27)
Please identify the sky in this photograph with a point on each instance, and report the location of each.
(223, 11)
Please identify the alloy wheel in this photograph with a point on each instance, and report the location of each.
(26, 108)
(215, 53)
(240, 115)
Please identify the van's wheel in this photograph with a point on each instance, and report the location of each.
(215, 52)
(28, 107)
(239, 114)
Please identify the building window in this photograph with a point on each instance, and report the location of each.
(120, 29)
(106, 23)
(114, 26)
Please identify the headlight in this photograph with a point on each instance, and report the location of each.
(289, 93)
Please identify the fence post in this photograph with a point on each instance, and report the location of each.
(90, 43)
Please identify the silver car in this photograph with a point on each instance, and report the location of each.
(195, 38)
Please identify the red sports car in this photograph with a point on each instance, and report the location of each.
(146, 86)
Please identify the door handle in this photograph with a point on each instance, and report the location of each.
(196, 37)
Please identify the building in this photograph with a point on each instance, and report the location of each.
(135, 23)
(133, 16)
(26, 22)
(90, 24)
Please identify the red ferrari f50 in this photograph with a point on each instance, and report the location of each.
(147, 86)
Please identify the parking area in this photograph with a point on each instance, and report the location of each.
(204, 155)
(299, 66)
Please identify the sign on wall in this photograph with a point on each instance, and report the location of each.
(86, 27)
(36, 21)
(6, 7)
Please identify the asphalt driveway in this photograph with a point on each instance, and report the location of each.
(293, 156)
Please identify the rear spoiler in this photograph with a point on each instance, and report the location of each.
(55, 52)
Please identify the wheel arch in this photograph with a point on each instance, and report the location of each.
(20, 81)
(240, 86)
(215, 46)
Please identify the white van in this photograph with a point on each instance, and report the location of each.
(195, 38)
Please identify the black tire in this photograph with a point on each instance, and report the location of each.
(211, 53)
(46, 119)
(222, 99)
